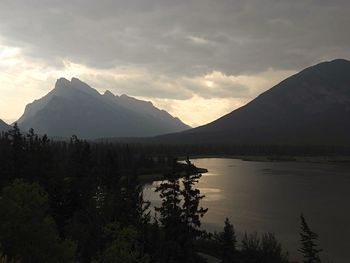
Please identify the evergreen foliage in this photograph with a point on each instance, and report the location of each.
(228, 243)
(83, 202)
(180, 216)
(27, 232)
(309, 247)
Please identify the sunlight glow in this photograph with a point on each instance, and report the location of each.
(208, 97)
(209, 83)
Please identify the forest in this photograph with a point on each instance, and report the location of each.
(80, 201)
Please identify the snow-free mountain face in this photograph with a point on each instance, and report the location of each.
(4, 126)
(73, 107)
(311, 107)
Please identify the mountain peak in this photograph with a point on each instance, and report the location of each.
(310, 107)
(76, 81)
(339, 60)
(78, 84)
(74, 107)
(108, 94)
(337, 66)
(62, 82)
(64, 86)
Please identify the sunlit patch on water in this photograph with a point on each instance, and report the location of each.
(209, 174)
(269, 197)
(212, 194)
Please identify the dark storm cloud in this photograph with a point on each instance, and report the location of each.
(180, 37)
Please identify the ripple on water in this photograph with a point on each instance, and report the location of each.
(212, 194)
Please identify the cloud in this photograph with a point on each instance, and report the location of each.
(180, 37)
(197, 110)
(143, 83)
(205, 97)
(175, 53)
(198, 40)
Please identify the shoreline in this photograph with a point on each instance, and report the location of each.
(274, 158)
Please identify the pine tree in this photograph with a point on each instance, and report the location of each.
(191, 211)
(228, 242)
(180, 216)
(18, 151)
(170, 211)
(170, 219)
(308, 243)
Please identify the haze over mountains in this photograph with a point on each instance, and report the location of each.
(73, 107)
(311, 107)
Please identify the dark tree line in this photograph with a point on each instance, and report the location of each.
(273, 151)
(82, 197)
(79, 201)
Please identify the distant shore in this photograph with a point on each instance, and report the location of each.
(275, 158)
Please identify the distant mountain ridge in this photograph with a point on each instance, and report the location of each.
(311, 107)
(73, 107)
(4, 126)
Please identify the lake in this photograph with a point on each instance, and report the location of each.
(270, 196)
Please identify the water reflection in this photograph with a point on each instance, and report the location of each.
(269, 197)
(212, 194)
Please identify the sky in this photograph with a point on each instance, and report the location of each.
(197, 59)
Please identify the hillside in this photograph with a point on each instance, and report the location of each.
(311, 107)
(4, 126)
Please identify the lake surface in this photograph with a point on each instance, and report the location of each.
(269, 197)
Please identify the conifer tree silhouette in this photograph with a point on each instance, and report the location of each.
(309, 247)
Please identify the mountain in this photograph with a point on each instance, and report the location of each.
(311, 107)
(4, 126)
(73, 107)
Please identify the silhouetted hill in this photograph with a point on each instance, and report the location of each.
(73, 107)
(4, 126)
(311, 107)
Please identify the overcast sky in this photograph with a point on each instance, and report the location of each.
(197, 59)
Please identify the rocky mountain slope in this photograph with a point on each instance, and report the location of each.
(311, 107)
(73, 107)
